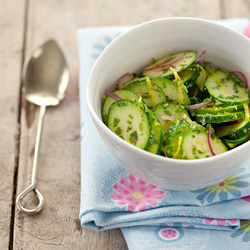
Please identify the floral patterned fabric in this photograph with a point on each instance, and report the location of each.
(217, 217)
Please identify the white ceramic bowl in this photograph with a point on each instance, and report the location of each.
(133, 51)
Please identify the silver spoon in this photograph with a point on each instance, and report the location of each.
(45, 77)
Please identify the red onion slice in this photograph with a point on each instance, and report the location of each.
(200, 56)
(124, 78)
(163, 64)
(112, 95)
(241, 76)
(198, 105)
(210, 142)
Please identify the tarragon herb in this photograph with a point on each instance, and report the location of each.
(116, 122)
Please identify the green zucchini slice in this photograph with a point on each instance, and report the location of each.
(218, 109)
(169, 113)
(150, 93)
(122, 93)
(171, 90)
(222, 87)
(195, 145)
(233, 131)
(179, 61)
(218, 118)
(189, 75)
(176, 131)
(236, 142)
(130, 122)
(156, 134)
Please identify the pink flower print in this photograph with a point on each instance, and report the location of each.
(169, 234)
(247, 198)
(136, 194)
(246, 31)
(220, 222)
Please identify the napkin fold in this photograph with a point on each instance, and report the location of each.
(151, 217)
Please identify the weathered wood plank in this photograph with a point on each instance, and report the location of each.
(10, 66)
(236, 8)
(57, 226)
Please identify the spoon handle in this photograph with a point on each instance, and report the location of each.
(32, 187)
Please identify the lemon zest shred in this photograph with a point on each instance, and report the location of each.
(129, 139)
(140, 93)
(102, 96)
(231, 145)
(140, 99)
(165, 151)
(178, 148)
(180, 86)
(246, 110)
(151, 92)
(195, 92)
(165, 125)
(162, 60)
(217, 80)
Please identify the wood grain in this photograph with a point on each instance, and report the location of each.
(58, 226)
(11, 46)
(236, 8)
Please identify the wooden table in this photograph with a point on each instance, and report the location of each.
(24, 25)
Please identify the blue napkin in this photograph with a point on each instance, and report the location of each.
(217, 217)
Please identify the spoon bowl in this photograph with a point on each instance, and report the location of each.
(45, 77)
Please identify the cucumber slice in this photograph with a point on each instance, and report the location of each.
(200, 80)
(219, 109)
(170, 89)
(175, 131)
(172, 112)
(233, 131)
(234, 143)
(124, 94)
(225, 90)
(195, 145)
(151, 94)
(156, 134)
(130, 122)
(189, 75)
(218, 118)
(179, 61)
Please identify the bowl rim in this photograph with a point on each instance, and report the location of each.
(143, 153)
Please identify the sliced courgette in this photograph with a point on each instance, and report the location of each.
(122, 93)
(233, 131)
(222, 87)
(195, 145)
(175, 132)
(150, 93)
(156, 134)
(171, 90)
(169, 113)
(234, 143)
(200, 80)
(189, 75)
(218, 118)
(218, 109)
(179, 61)
(130, 122)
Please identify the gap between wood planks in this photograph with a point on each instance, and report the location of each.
(222, 9)
(18, 135)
